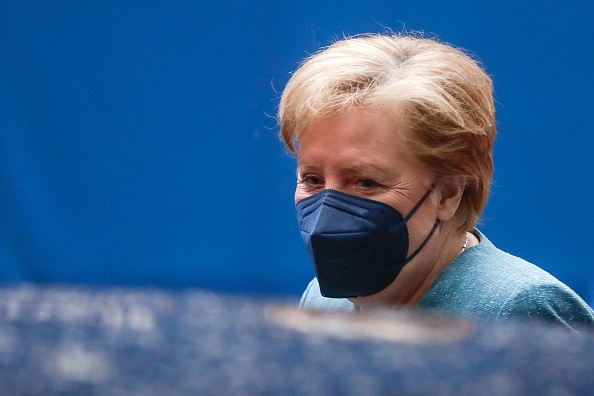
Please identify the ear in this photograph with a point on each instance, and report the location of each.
(450, 195)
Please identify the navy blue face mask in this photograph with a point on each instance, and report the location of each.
(357, 246)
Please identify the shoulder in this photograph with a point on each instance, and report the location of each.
(548, 301)
(312, 299)
(486, 281)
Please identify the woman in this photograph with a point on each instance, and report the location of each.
(394, 138)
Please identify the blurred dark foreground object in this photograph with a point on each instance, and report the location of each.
(83, 341)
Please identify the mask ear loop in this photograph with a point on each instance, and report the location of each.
(412, 256)
(410, 214)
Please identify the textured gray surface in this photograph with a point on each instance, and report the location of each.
(78, 341)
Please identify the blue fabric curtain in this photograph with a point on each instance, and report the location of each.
(138, 142)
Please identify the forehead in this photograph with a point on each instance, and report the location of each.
(366, 128)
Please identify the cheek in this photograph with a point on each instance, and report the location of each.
(300, 194)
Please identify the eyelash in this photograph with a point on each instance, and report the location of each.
(373, 184)
(309, 179)
(363, 183)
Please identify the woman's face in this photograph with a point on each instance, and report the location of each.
(363, 153)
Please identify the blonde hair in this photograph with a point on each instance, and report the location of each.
(440, 95)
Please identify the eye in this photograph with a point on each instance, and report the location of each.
(367, 184)
(310, 181)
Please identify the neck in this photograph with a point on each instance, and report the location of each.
(450, 244)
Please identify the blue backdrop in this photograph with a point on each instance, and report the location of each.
(139, 146)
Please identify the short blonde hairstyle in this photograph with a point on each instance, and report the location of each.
(440, 95)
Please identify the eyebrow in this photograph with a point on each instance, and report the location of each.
(354, 169)
(364, 167)
(357, 168)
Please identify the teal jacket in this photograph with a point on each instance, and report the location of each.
(484, 281)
